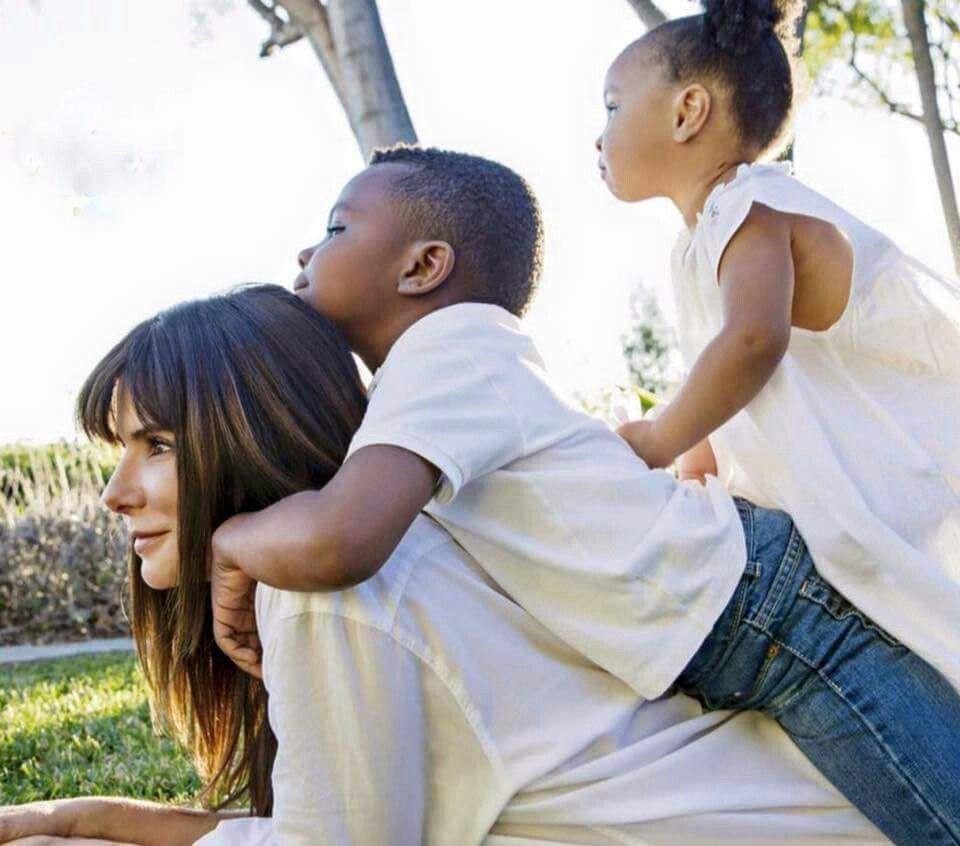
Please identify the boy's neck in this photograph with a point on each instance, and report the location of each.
(690, 197)
(373, 343)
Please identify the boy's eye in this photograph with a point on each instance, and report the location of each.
(333, 230)
(611, 107)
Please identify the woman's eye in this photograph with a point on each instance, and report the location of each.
(158, 446)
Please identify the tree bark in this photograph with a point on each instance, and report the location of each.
(648, 12)
(347, 37)
(914, 18)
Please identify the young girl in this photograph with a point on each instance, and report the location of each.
(824, 364)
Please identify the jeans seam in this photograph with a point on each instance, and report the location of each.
(787, 567)
(878, 739)
(851, 611)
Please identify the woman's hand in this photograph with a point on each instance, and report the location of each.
(44, 840)
(57, 818)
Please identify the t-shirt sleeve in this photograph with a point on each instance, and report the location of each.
(357, 717)
(450, 408)
(724, 215)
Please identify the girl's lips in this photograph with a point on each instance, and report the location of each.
(147, 542)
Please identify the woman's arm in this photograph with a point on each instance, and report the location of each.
(107, 818)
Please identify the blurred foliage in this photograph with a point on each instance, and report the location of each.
(62, 555)
(859, 49)
(648, 347)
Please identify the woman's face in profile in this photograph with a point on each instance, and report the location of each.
(143, 490)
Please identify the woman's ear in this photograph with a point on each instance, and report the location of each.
(429, 265)
(691, 108)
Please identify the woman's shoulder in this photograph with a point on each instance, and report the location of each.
(375, 602)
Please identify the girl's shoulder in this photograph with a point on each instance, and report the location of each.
(728, 205)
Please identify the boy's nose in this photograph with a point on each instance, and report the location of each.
(303, 257)
(599, 144)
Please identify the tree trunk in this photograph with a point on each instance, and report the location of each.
(348, 39)
(648, 12)
(913, 16)
(378, 113)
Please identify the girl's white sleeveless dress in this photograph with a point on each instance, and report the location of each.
(857, 434)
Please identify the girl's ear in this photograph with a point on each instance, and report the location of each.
(691, 109)
(428, 266)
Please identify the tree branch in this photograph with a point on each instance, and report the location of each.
(648, 12)
(310, 16)
(282, 32)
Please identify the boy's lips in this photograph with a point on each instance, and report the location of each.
(300, 282)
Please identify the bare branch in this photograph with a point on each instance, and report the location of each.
(282, 32)
(648, 12)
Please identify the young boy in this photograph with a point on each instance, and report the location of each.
(430, 259)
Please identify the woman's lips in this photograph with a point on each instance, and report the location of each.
(144, 543)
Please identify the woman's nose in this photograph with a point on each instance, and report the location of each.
(122, 494)
(303, 257)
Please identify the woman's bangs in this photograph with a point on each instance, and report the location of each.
(135, 365)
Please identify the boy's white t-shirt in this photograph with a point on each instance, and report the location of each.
(625, 564)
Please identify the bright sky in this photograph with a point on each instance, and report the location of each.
(148, 156)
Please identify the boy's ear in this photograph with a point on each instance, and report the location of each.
(691, 108)
(428, 266)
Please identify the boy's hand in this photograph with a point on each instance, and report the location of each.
(233, 593)
(647, 442)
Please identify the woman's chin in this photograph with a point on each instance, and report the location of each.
(158, 575)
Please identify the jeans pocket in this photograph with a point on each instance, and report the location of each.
(716, 649)
(817, 590)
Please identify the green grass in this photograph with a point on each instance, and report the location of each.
(81, 726)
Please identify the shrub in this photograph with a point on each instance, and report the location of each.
(62, 555)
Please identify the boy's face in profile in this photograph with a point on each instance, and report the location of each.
(352, 274)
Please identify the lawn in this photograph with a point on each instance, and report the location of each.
(81, 726)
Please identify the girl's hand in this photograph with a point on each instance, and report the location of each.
(647, 442)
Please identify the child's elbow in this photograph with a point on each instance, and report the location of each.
(763, 346)
(348, 562)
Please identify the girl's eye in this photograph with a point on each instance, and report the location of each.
(333, 230)
(158, 446)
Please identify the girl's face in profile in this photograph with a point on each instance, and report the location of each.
(143, 490)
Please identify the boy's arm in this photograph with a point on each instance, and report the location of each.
(335, 537)
(756, 280)
(697, 463)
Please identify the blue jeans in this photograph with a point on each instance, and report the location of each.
(875, 719)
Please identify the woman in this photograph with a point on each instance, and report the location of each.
(423, 706)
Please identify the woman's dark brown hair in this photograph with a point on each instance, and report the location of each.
(262, 397)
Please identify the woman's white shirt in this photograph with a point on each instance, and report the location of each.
(425, 707)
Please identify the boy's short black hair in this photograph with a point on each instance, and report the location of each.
(485, 211)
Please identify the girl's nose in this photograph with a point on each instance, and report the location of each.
(303, 257)
(122, 494)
